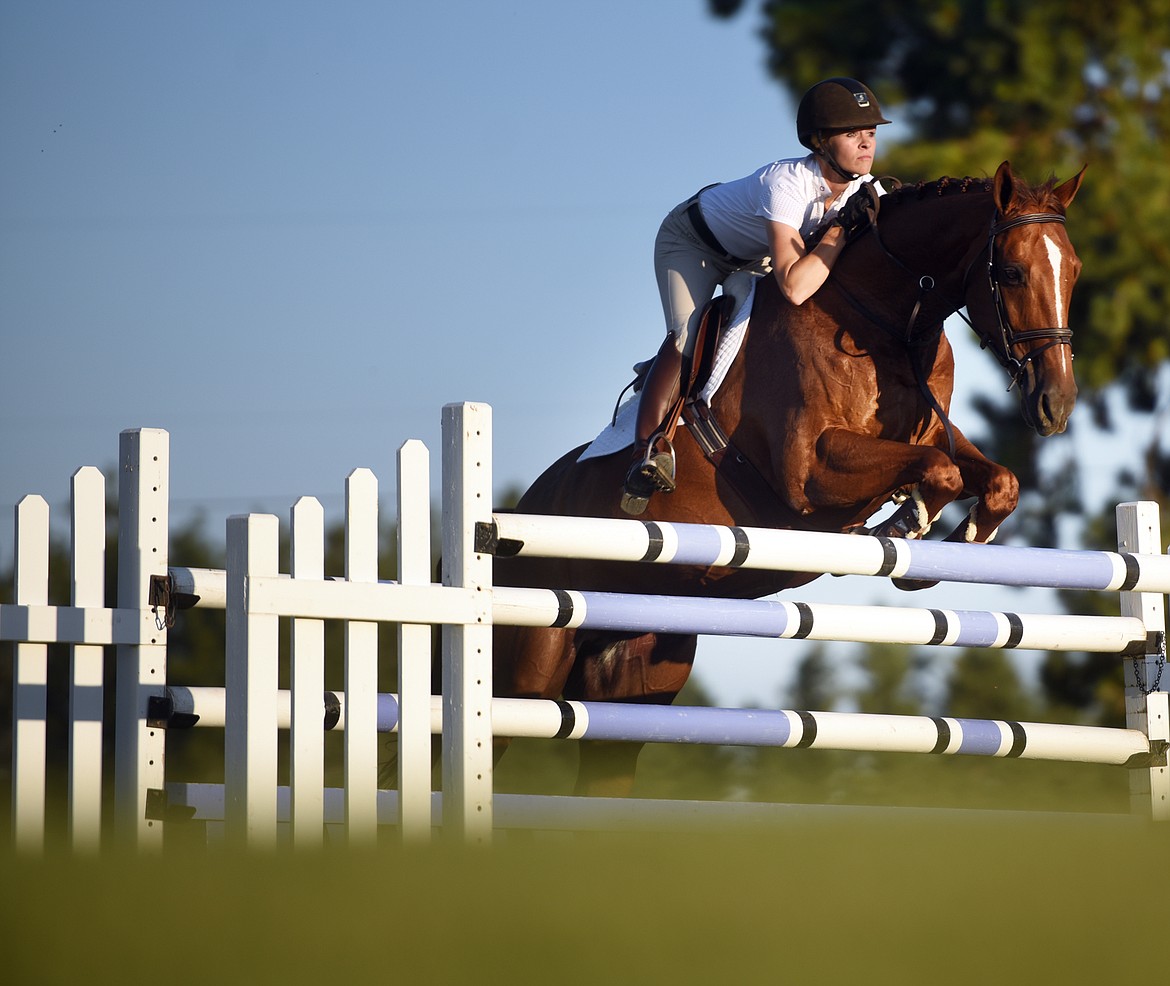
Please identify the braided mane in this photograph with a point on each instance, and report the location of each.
(939, 187)
(1025, 197)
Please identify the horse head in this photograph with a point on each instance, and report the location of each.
(1018, 292)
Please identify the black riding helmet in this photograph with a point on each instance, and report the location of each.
(836, 105)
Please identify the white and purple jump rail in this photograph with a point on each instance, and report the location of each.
(257, 595)
(468, 604)
(203, 706)
(707, 545)
(816, 621)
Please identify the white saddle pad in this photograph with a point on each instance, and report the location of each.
(619, 434)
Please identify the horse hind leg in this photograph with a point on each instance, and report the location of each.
(648, 669)
(527, 662)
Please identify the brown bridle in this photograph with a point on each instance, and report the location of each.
(1003, 344)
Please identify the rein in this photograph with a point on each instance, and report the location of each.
(1007, 338)
(926, 284)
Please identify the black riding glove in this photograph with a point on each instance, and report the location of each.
(859, 213)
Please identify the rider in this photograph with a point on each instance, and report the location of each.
(752, 224)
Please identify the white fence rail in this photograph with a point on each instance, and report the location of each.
(257, 596)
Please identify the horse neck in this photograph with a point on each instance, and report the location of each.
(935, 237)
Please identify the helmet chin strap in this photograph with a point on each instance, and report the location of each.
(824, 152)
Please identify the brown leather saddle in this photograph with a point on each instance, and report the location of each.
(696, 368)
(732, 466)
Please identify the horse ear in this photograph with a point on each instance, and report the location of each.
(1066, 191)
(1001, 186)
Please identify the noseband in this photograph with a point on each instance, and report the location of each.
(1007, 338)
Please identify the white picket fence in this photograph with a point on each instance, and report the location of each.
(257, 596)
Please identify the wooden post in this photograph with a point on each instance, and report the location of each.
(414, 646)
(86, 684)
(307, 679)
(30, 679)
(361, 663)
(467, 648)
(1145, 695)
(251, 680)
(143, 524)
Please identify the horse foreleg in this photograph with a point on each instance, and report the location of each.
(852, 469)
(996, 489)
(648, 669)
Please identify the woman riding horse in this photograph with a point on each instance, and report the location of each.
(827, 411)
(738, 226)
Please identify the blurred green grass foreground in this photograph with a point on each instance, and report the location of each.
(856, 897)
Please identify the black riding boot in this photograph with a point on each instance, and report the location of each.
(652, 470)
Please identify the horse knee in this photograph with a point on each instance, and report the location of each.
(942, 480)
(1002, 494)
(941, 483)
(998, 498)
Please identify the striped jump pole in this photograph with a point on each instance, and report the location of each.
(708, 545)
(825, 731)
(816, 621)
(636, 723)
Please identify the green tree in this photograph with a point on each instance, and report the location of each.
(892, 686)
(983, 684)
(799, 776)
(815, 684)
(1052, 86)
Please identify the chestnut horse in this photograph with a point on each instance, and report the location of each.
(837, 406)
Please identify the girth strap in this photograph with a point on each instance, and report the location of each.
(736, 470)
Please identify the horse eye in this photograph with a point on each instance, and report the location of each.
(1011, 274)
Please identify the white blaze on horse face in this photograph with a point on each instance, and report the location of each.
(1056, 258)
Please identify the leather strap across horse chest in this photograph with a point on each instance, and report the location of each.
(736, 469)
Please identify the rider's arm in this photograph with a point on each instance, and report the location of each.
(800, 273)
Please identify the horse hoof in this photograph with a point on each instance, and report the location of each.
(913, 585)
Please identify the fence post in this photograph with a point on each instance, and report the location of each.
(30, 679)
(1145, 696)
(251, 678)
(361, 663)
(86, 684)
(143, 525)
(467, 649)
(307, 681)
(414, 646)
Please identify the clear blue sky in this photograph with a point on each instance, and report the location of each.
(288, 233)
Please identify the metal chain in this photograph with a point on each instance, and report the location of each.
(1160, 664)
(162, 597)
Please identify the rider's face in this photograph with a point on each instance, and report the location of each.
(854, 150)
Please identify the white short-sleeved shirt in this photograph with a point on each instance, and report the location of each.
(792, 191)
